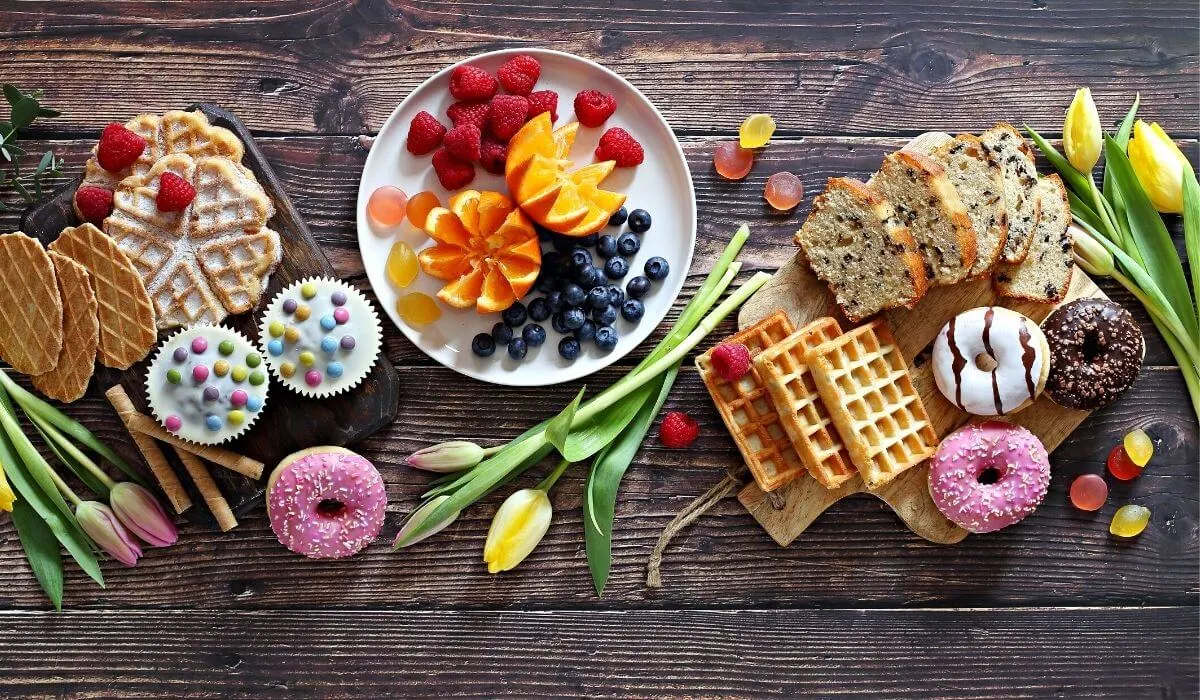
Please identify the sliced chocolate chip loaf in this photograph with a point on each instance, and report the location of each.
(1004, 143)
(929, 206)
(1045, 273)
(979, 180)
(854, 242)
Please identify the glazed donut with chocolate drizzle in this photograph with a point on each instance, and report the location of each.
(990, 361)
(1096, 353)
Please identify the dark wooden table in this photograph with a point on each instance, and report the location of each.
(858, 606)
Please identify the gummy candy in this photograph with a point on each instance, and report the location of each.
(732, 161)
(783, 191)
(402, 265)
(386, 206)
(1121, 466)
(418, 309)
(419, 207)
(756, 131)
(1129, 521)
(1139, 447)
(1089, 492)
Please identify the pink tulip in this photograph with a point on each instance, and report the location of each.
(102, 525)
(140, 512)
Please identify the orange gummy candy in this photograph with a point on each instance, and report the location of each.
(419, 207)
(783, 191)
(386, 206)
(732, 161)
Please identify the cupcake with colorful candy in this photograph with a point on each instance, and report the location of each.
(207, 384)
(320, 337)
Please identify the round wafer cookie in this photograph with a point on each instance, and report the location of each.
(31, 312)
(127, 330)
(68, 381)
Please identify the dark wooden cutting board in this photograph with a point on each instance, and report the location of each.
(289, 422)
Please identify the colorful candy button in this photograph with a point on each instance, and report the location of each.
(328, 322)
(180, 355)
(221, 367)
(199, 345)
(236, 417)
(275, 347)
(341, 314)
(307, 359)
(239, 374)
(211, 393)
(338, 298)
(308, 290)
(253, 404)
(253, 360)
(292, 334)
(225, 347)
(347, 342)
(287, 369)
(238, 398)
(173, 376)
(257, 378)
(199, 373)
(275, 329)
(328, 344)
(212, 423)
(303, 312)
(312, 377)
(173, 423)
(289, 306)
(335, 369)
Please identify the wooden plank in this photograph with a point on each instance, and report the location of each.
(1093, 652)
(854, 67)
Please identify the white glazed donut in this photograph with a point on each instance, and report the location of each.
(991, 361)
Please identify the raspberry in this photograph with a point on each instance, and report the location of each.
(492, 155)
(617, 144)
(506, 115)
(519, 74)
(94, 203)
(471, 83)
(452, 172)
(731, 361)
(424, 134)
(593, 107)
(468, 113)
(174, 193)
(119, 148)
(678, 430)
(544, 101)
(463, 142)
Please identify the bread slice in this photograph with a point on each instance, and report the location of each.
(1005, 145)
(854, 242)
(1045, 273)
(979, 180)
(929, 206)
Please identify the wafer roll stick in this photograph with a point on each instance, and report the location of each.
(216, 502)
(163, 473)
(224, 458)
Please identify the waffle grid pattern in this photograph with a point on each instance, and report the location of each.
(31, 324)
(69, 379)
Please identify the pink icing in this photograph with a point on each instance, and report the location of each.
(327, 505)
(1009, 453)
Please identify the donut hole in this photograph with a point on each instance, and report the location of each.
(331, 507)
(985, 362)
(990, 475)
(1091, 348)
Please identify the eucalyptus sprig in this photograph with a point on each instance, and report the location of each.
(24, 109)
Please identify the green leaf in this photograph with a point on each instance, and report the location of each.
(47, 159)
(15, 149)
(560, 426)
(49, 113)
(1191, 230)
(24, 111)
(82, 473)
(604, 479)
(1081, 209)
(1082, 184)
(1122, 138)
(36, 465)
(12, 94)
(588, 438)
(1151, 237)
(41, 549)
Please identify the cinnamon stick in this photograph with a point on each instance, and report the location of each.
(157, 461)
(216, 502)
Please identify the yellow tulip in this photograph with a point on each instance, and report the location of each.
(518, 527)
(1159, 166)
(1082, 135)
(7, 497)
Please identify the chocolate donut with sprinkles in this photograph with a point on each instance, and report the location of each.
(1096, 351)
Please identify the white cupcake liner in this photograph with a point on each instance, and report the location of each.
(368, 337)
(164, 353)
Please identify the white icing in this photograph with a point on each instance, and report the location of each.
(977, 393)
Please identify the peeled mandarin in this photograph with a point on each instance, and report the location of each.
(386, 206)
(402, 267)
(1089, 492)
(1139, 447)
(419, 207)
(756, 131)
(732, 161)
(1129, 521)
(1121, 466)
(418, 309)
(783, 191)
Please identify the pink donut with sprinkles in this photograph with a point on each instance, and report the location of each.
(326, 502)
(989, 475)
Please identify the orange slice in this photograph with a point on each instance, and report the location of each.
(539, 178)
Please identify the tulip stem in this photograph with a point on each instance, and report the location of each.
(69, 447)
(63, 488)
(552, 477)
(489, 451)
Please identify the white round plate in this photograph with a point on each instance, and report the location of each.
(661, 185)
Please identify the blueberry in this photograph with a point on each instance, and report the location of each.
(657, 268)
(606, 338)
(585, 332)
(639, 221)
(589, 241)
(632, 310)
(501, 333)
(562, 244)
(551, 260)
(539, 309)
(534, 335)
(580, 257)
(574, 295)
(615, 295)
(588, 276)
(573, 319)
(616, 268)
(606, 247)
(606, 316)
(618, 217)
(483, 345)
(597, 297)
(556, 322)
(555, 301)
(637, 287)
(515, 315)
(568, 348)
(517, 349)
(628, 244)
(545, 282)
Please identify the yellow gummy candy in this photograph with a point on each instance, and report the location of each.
(1129, 521)
(402, 265)
(1139, 447)
(418, 309)
(756, 131)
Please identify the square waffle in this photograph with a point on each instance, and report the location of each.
(864, 381)
(784, 369)
(747, 410)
